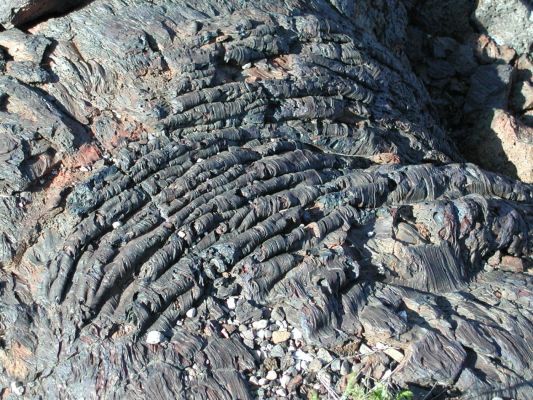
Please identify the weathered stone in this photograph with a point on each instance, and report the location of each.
(280, 336)
(315, 180)
(507, 22)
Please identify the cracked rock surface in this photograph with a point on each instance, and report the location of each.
(233, 200)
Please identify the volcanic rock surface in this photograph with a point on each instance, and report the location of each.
(481, 85)
(222, 199)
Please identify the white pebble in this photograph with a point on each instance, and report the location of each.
(230, 302)
(182, 234)
(117, 224)
(272, 375)
(248, 334)
(296, 334)
(281, 392)
(364, 349)
(261, 324)
(262, 381)
(154, 337)
(191, 313)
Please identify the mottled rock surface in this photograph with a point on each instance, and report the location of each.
(508, 22)
(221, 200)
(477, 81)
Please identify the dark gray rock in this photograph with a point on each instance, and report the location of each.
(20, 12)
(489, 87)
(280, 153)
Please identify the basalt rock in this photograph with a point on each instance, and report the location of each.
(480, 85)
(185, 155)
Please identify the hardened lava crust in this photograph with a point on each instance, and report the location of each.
(245, 199)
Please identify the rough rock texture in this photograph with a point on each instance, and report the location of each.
(481, 87)
(181, 173)
(508, 22)
(20, 12)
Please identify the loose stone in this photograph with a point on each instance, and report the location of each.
(154, 337)
(271, 375)
(280, 336)
(261, 324)
(231, 303)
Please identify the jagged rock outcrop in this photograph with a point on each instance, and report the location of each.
(480, 85)
(236, 159)
(509, 22)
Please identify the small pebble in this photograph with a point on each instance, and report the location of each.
(154, 337)
(248, 334)
(296, 334)
(231, 303)
(262, 382)
(182, 234)
(280, 336)
(272, 375)
(191, 313)
(364, 349)
(281, 392)
(117, 224)
(261, 324)
(277, 351)
(324, 356)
